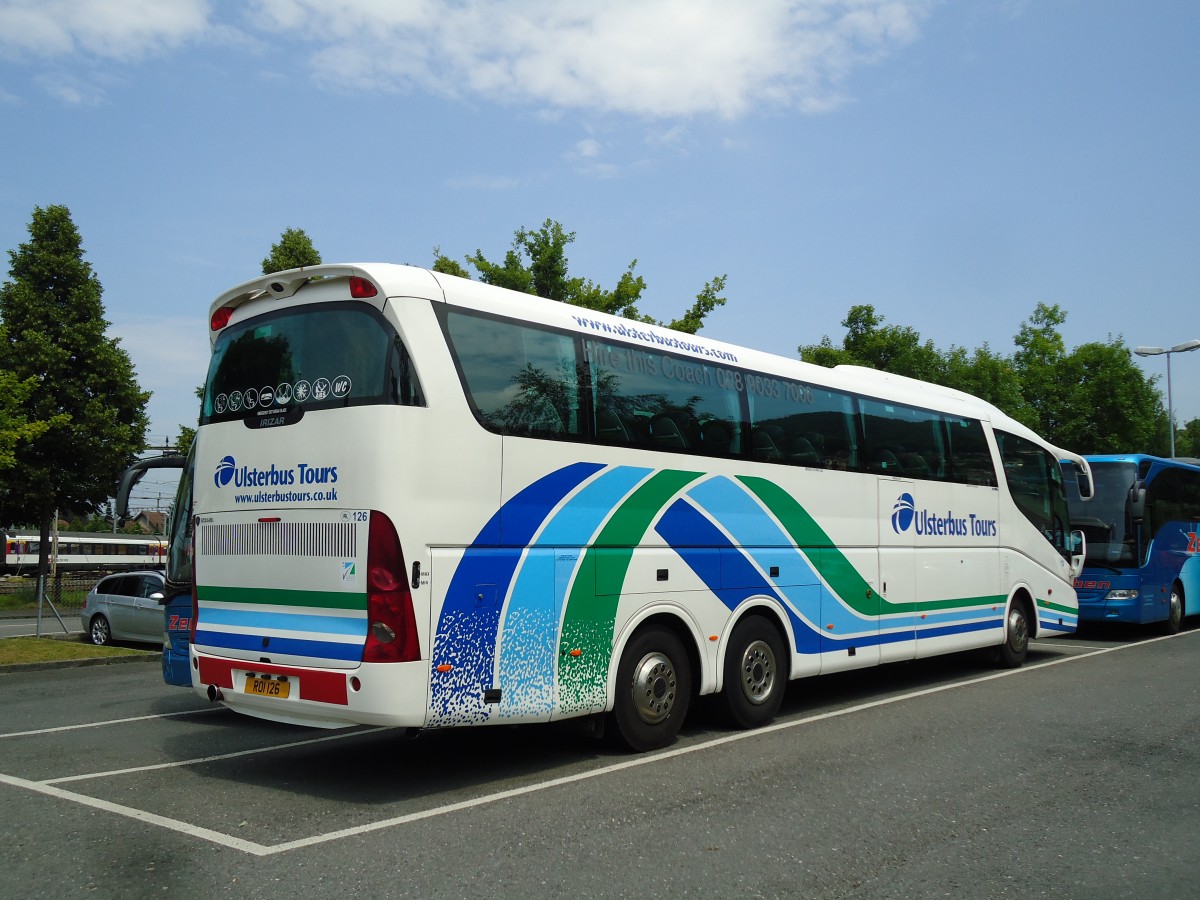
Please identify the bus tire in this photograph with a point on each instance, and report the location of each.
(1013, 651)
(654, 690)
(1174, 620)
(755, 674)
(99, 631)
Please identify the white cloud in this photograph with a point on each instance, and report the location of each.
(114, 29)
(588, 148)
(649, 58)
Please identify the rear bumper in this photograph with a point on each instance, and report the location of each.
(387, 694)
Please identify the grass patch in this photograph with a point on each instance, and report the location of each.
(24, 597)
(34, 649)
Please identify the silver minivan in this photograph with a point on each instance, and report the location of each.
(125, 607)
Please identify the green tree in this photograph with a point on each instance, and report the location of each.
(294, 250)
(1187, 440)
(988, 375)
(868, 342)
(15, 427)
(86, 390)
(537, 264)
(1109, 404)
(1039, 361)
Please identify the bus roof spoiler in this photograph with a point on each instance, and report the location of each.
(282, 284)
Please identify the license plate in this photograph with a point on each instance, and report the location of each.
(268, 687)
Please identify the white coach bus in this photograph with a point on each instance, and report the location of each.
(421, 501)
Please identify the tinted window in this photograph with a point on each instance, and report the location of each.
(312, 357)
(798, 424)
(902, 440)
(109, 585)
(663, 402)
(1173, 496)
(519, 379)
(969, 455)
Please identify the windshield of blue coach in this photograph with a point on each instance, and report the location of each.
(1104, 519)
(305, 358)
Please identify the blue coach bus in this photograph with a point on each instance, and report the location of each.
(1143, 553)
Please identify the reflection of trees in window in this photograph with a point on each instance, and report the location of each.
(544, 402)
(251, 361)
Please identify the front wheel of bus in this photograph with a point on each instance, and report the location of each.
(654, 689)
(755, 677)
(1174, 620)
(1016, 637)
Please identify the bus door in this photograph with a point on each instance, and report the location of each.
(898, 617)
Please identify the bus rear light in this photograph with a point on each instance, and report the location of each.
(392, 624)
(195, 595)
(221, 318)
(361, 289)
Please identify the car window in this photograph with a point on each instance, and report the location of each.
(127, 586)
(149, 585)
(110, 585)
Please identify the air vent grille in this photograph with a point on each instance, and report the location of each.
(338, 539)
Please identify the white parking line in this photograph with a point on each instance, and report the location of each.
(186, 712)
(48, 787)
(206, 759)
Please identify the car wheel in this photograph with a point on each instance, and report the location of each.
(100, 631)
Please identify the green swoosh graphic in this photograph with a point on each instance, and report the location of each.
(591, 611)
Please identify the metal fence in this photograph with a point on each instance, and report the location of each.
(64, 595)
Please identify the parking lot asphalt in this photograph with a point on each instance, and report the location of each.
(1078, 775)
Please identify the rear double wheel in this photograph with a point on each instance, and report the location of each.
(654, 689)
(755, 673)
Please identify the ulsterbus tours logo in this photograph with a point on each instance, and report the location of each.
(927, 523)
(902, 513)
(229, 472)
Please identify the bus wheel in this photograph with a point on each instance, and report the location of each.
(99, 631)
(1016, 638)
(1174, 620)
(654, 689)
(755, 673)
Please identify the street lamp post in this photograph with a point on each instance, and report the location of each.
(1159, 351)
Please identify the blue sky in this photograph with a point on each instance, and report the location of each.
(951, 163)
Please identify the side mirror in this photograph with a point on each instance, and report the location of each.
(1137, 501)
(1078, 553)
(158, 597)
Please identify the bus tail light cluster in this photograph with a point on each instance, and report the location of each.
(195, 593)
(391, 622)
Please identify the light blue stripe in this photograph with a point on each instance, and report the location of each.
(752, 528)
(259, 620)
(529, 640)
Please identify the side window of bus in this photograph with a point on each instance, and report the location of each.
(970, 458)
(403, 386)
(520, 380)
(800, 425)
(663, 402)
(902, 440)
(1173, 496)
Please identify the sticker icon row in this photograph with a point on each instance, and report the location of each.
(284, 393)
